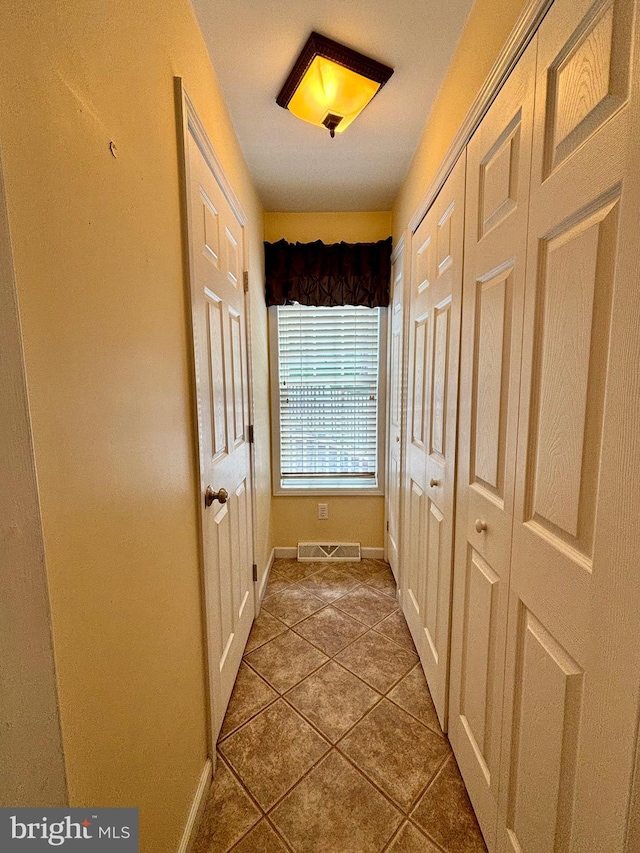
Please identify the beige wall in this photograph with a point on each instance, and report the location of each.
(351, 519)
(98, 259)
(484, 34)
(362, 227)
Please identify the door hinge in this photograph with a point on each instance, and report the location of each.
(255, 572)
(250, 433)
(387, 526)
(245, 281)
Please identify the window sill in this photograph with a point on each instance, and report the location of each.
(298, 489)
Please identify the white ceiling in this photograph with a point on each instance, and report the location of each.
(296, 166)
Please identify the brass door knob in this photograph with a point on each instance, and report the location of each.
(481, 525)
(433, 483)
(210, 496)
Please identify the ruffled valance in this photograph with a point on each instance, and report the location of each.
(326, 275)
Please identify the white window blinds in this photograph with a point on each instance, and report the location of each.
(328, 361)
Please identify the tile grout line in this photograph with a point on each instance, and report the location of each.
(405, 813)
(333, 658)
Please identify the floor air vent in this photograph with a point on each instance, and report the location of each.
(323, 551)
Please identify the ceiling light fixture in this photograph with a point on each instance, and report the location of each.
(330, 84)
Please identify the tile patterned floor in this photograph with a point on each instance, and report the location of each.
(331, 743)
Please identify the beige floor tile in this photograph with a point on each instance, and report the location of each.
(330, 630)
(228, 814)
(261, 839)
(410, 840)
(250, 695)
(396, 752)
(330, 584)
(286, 660)
(335, 810)
(395, 628)
(294, 571)
(276, 584)
(367, 605)
(445, 813)
(265, 628)
(333, 700)
(383, 582)
(413, 695)
(364, 569)
(321, 803)
(292, 605)
(377, 660)
(272, 751)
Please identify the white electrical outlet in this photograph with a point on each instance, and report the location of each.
(323, 511)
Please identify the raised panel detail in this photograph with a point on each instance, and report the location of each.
(545, 735)
(419, 379)
(491, 378)
(225, 620)
(396, 372)
(211, 230)
(416, 543)
(242, 581)
(394, 487)
(237, 378)
(498, 185)
(441, 323)
(573, 315)
(587, 83)
(423, 265)
(233, 261)
(444, 240)
(476, 698)
(434, 557)
(217, 374)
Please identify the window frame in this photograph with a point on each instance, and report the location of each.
(278, 488)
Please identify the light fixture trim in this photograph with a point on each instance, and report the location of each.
(318, 45)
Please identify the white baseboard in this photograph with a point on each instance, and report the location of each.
(286, 553)
(372, 553)
(197, 808)
(292, 553)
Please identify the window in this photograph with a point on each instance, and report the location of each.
(327, 398)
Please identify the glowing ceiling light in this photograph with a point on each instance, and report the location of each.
(330, 84)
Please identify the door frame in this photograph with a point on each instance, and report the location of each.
(190, 124)
(396, 255)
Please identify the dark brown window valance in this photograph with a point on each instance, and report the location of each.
(326, 275)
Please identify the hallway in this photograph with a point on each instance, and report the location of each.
(331, 742)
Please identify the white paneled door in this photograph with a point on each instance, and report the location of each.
(394, 432)
(219, 331)
(546, 634)
(497, 200)
(434, 341)
(571, 683)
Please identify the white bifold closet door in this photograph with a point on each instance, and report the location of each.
(571, 682)
(434, 342)
(546, 634)
(497, 199)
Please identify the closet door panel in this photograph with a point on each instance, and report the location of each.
(434, 342)
(499, 161)
(571, 676)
